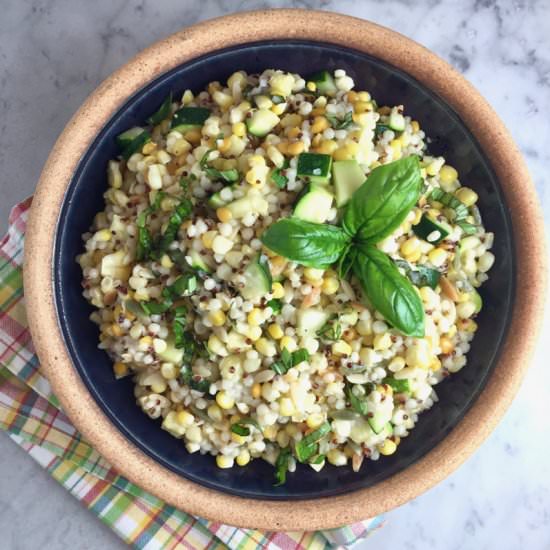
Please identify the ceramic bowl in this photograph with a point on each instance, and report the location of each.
(395, 70)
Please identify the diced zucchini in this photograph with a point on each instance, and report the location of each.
(189, 117)
(128, 136)
(314, 167)
(171, 354)
(430, 230)
(324, 82)
(258, 278)
(310, 320)
(197, 261)
(398, 386)
(314, 204)
(397, 122)
(348, 177)
(262, 122)
(131, 141)
(378, 420)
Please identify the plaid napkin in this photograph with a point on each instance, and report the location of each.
(31, 415)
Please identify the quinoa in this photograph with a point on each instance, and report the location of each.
(226, 396)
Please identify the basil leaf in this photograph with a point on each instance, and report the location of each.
(356, 403)
(275, 305)
(307, 243)
(420, 275)
(382, 203)
(182, 211)
(281, 466)
(307, 447)
(184, 284)
(340, 123)
(239, 429)
(331, 330)
(398, 386)
(389, 292)
(162, 113)
(278, 178)
(228, 176)
(156, 308)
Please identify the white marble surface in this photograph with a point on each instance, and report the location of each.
(54, 53)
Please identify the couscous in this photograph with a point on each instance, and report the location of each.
(284, 270)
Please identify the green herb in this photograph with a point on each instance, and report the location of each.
(145, 239)
(186, 376)
(184, 284)
(182, 211)
(390, 293)
(420, 275)
(307, 243)
(340, 123)
(162, 113)
(319, 459)
(399, 386)
(381, 204)
(380, 128)
(288, 360)
(459, 208)
(136, 144)
(275, 305)
(241, 430)
(228, 176)
(331, 330)
(307, 447)
(155, 308)
(356, 403)
(278, 178)
(281, 466)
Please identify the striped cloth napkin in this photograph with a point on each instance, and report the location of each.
(31, 415)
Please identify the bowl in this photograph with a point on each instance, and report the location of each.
(395, 70)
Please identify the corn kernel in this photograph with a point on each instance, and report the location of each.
(415, 126)
(277, 290)
(265, 347)
(467, 196)
(435, 365)
(270, 432)
(103, 235)
(116, 330)
(289, 343)
(294, 132)
(283, 439)
(437, 256)
(279, 109)
(185, 418)
(168, 371)
(145, 341)
(256, 390)
(396, 148)
(254, 318)
(275, 331)
(207, 238)
(330, 285)
(224, 400)
(289, 121)
(363, 96)
(159, 345)
(282, 146)
(311, 86)
(254, 333)
(347, 151)
(388, 447)
(314, 420)
(327, 147)
(223, 461)
(320, 124)
(362, 106)
(296, 148)
(352, 96)
(291, 430)
(239, 129)
(433, 168)
(341, 348)
(215, 413)
(286, 407)
(120, 369)
(236, 438)
(243, 458)
(224, 214)
(382, 341)
(447, 174)
(217, 318)
(193, 136)
(410, 246)
(337, 457)
(312, 274)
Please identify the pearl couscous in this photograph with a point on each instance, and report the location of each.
(248, 342)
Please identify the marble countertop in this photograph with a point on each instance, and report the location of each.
(53, 53)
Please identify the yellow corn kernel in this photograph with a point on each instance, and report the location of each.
(435, 365)
(347, 151)
(277, 289)
(320, 124)
(311, 86)
(215, 413)
(239, 129)
(291, 430)
(256, 390)
(275, 331)
(327, 146)
(264, 346)
(396, 148)
(294, 132)
(312, 274)
(337, 457)
(291, 120)
(225, 145)
(296, 148)
(223, 461)
(236, 438)
(243, 458)
(254, 333)
(446, 345)
(286, 406)
(103, 235)
(217, 318)
(289, 343)
(382, 341)
(341, 347)
(187, 97)
(352, 96)
(316, 141)
(362, 107)
(363, 96)
(437, 256)
(314, 420)
(193, 136)
(417, 216)
(282, 146)
(330, 285)
(283, 439)
(388, 447)
(224, 214)
(158, 387)
(238, 78)
(279, 109)
(410, 247)
(120, 369)
(208, 238)
(146, 341)
(415, 126)
(254, 317)
(433, 168)
(270, 432)
(185, 418)
(116, 330)
(318, 111)
(224, 400)
(467, 196)
(447, 174)
(468, 325)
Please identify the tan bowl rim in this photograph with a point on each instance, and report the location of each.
(244, 28)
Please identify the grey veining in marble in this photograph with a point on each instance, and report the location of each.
(53, 53)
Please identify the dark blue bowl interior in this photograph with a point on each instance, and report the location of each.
(388, 85)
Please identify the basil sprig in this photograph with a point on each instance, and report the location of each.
(420, 275)
(375, 210)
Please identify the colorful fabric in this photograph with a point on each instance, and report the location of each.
(31, 415)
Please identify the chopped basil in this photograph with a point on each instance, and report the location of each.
(331, 330)
(228, 176)
(275, 305)
(239, 429)
(281, 466)
(399, 386)
(182, 211)
(356, 404)
(420, 275)
(340, 123)
(460, 210)
(288, 360)
(307, 447)
(278, 178)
